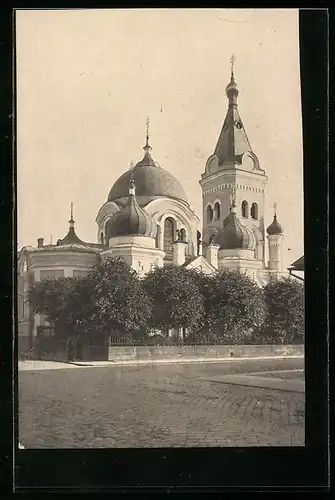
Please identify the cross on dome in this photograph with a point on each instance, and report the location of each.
(147, 146)
(275, 208)
(71, 221)
(232, 61)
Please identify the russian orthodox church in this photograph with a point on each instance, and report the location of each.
(148, 221)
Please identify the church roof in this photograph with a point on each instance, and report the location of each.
(75, 247)
(233, 141)
(234, 234)
(298, 265)
(131, 219)
(151, 180)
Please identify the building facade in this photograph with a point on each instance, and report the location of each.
(148, 221)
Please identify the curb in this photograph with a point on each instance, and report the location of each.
(181, 361)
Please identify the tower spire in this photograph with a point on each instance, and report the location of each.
(232, 61)
(147, 147)
(71, 221)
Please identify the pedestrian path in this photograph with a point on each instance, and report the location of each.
(53, 365)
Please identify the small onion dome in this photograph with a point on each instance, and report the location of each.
(131, 220)
(274, 227)
(234, 234)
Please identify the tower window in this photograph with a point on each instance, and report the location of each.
(254, 211)
(209, 214)
(245, 209)
(102, 238)
(217, 211)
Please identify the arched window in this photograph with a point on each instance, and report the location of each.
(217, 211)
(102, 238)
(245, 209)
(209, 214)
(254, 211)
(169, 237)
(25, 266)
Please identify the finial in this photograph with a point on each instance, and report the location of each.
(275, 209)
(71, 221)
(232, 61)
(147, 146)
(131, 187)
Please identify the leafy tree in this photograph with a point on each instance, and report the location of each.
(176, 299)
(120, 303)
(284, 299)
(233, 306)
(108, 300)
(61, 300)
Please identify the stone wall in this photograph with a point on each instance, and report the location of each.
(129, 353)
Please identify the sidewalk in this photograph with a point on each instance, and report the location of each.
(178, 360)
(48, 365)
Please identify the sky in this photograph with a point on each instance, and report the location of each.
(88, 79)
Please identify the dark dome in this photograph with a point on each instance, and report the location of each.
(275, 227)
(131, 220)
(151, 182)
(234, 235)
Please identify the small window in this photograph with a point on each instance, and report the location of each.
(209, 214)
(217, 211)
(245, 209)
(254, 211)
(183, 234)
(52, 273)
(102, 238)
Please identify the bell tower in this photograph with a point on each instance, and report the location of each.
(233, 171)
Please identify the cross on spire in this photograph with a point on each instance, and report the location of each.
(147, 146)
(71, 221)
(275, 208)
(232, 61)
(148, 124)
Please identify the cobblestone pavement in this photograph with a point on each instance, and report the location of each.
(157, 406)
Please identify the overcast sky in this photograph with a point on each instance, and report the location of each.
(87, 80)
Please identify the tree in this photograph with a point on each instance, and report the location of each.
(61, 300)
(120, 303)
(108, 300)
(284, 300)
(233, 305)
(175, 297)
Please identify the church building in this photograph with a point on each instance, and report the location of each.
(148, 221)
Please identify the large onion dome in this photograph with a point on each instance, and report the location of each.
(151, 181)
(234, 235)
(131, 220)
(274, 227)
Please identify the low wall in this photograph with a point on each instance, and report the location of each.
(140, 353)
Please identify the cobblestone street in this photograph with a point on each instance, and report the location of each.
(159, 406)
